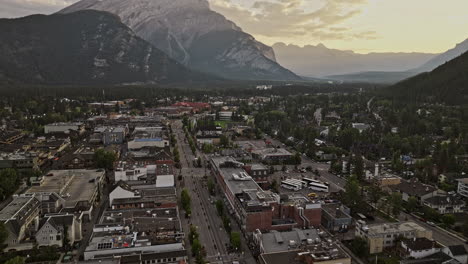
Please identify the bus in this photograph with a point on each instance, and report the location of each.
(291, 185)
(318, 187)
(309, 181)
(303, 183)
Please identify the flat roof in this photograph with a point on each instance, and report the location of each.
(379, 229)
(73, 185)
(279, 241)
(14, 207)
(163, 181)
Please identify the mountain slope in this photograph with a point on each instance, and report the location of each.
(320, 61)
(447, 83)
(87, 47)
(444, 57)
(373, 77)
(191, 33)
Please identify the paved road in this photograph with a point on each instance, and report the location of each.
(438, 234)
(204, 216)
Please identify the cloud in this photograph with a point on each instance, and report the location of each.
(20, 8)
(317, 20)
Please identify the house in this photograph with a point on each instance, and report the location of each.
(418, 248)
(445, 204)
(462, 188)
(437, 258)
(416, 189)
(21, 218)
(380, 236)
(360, 126)
(457, 252)
(53, 229)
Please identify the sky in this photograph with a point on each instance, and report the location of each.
(363, 26)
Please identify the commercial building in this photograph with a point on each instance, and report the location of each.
(255, 208)
(272, 155)
(79, 188)
(64, 128)
(380, 236)
(148, 137)
(336, 217)
(21, 218)
(19, 161)
(298, 246)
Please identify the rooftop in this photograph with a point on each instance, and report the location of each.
(18, 206)
(73, 185)
(382, 229)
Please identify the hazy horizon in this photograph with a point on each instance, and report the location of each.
(363, 26)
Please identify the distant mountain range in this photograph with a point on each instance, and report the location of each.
(448, 83)
(194, 35)
(348, 66)
(320, 61)
(87, 47)
(444, 57)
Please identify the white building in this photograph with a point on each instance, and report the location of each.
(62, 127)
(463, 187)
(122, 191)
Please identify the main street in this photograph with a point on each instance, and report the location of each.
(204, 216)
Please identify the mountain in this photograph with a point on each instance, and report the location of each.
(444, 57)
(448, 83)
(320, 61)
(373, 77)
(86, 47)
(191, 33)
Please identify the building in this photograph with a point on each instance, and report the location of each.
(416, 189)
(272, 155)
(445, 204)
(19, 161)
(79, 188)
(64, 128)
(437, 258)
(139, 234)
(21, 218)
(457, 252)
(148, 137)
(418, 248)
(105, 245)
(53, 229)
(255, 208)
(127, 196)
(259, 172)
(462, 188)
(113, 135)
(380, 236)
(360, 126)
(225, 115)
(336, 217)
(298, 246)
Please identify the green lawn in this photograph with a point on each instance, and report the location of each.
(222, 124)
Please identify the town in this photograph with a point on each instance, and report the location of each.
(329, 177)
